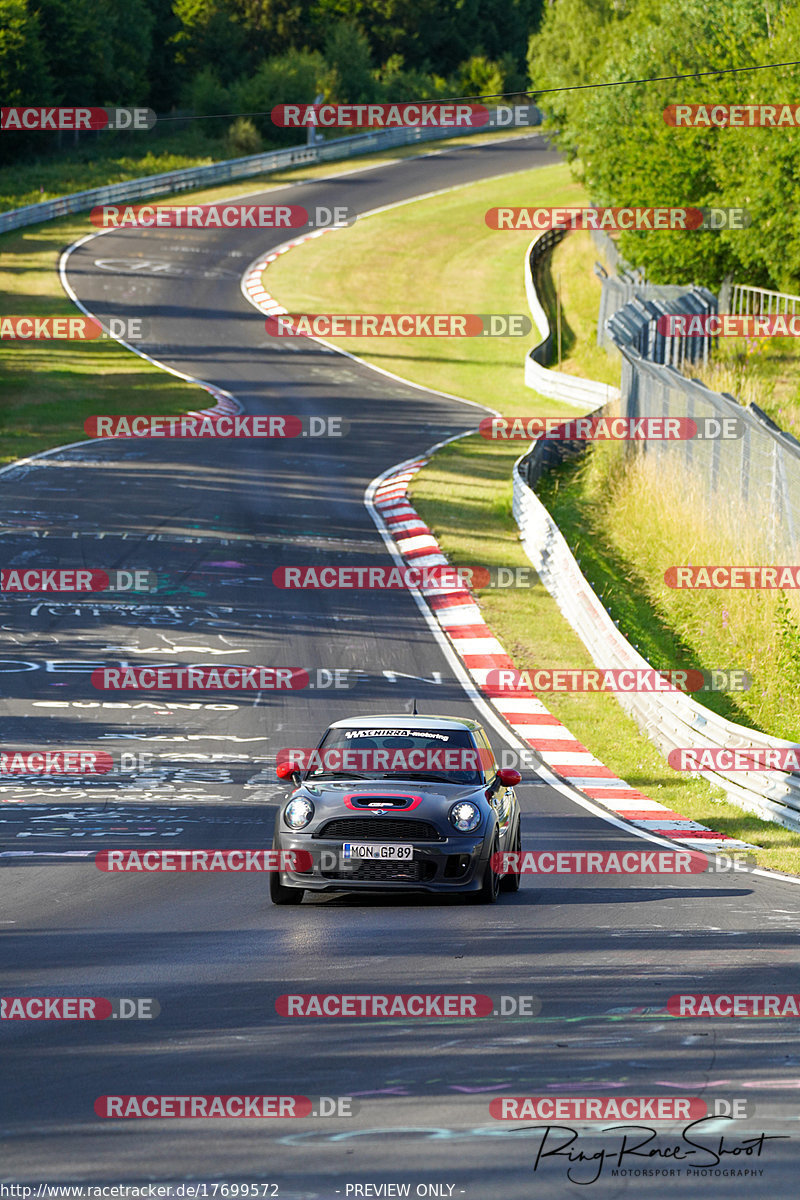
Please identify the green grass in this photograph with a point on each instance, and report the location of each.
(434, 255)
(464, 494)
(764, 371)
(630, 518)
(101, 159)
(48, 389)
(572, 276)
(116, 158)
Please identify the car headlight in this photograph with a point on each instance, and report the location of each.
(465, 816)
(298, 813)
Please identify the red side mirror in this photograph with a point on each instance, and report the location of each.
(509, 777)
(287, 770)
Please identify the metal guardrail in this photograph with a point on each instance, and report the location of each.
(636, 323)
(747, 300)
(671, 720)
(558, 385)
(228, 171)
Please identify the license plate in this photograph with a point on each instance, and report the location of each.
(377, 851)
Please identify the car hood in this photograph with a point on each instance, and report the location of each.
(335, 791)
(427, 801)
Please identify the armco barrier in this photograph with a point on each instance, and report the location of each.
(570, 389)
(635, 325)
(225, 172)
(670, 720)
(554, 746)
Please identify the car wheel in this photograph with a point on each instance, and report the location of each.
(490, 888)
(510, 883)
(280, 894)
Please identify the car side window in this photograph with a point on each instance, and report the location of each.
(487, 756)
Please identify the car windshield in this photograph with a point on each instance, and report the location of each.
(443, 755)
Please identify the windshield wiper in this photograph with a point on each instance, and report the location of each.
(337, 775)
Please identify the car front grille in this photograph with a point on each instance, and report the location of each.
(379, 829)
(385, 872)
(398, 872)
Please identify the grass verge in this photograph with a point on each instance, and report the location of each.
(436, 255)
(464, 495)
(48, 389)
(105, 158)
(762, 371)
(465, 492)
(625, 540)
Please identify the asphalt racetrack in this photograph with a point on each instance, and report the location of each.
(214, 518)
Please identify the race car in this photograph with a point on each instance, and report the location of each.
(397, 803)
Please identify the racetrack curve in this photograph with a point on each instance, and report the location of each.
(215, 519)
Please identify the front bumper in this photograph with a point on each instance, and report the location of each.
(456, 864)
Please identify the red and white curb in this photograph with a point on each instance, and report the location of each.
(459, 616)
(252, 283)
(226, 405)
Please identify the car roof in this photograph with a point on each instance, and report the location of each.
(390, 720)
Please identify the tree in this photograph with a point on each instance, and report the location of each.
(276, 26)
(291, 78)
(24, 75)
(78, 49)
(129, 25)
(350, 76)
(211, 34)
(627, 154)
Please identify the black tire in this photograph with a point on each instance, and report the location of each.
(510, 883)
(280, 894)
(490, 888)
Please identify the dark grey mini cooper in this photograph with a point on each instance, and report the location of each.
(397, 803)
